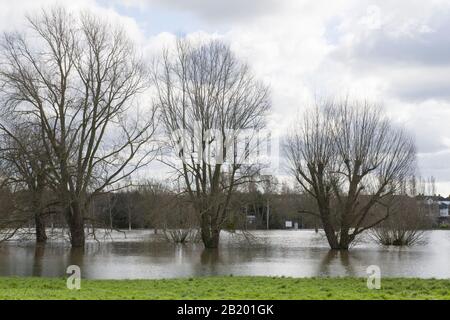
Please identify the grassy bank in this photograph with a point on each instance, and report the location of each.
(225, 288)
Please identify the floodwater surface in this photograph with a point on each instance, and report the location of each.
(301, 253)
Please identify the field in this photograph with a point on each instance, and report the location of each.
(225, 288)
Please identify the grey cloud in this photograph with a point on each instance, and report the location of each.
(428, 83)
(426, 47)
(423, 91)
(435, 164)
(427, 140)
(416, 66)
(218, 10)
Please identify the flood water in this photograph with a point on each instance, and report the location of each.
(301, 253)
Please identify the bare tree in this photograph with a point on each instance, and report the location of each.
(408, 218)
(25, 161)
(10, 220)
(207, 98)
(405, 225)
(349, 157)
(78, 79)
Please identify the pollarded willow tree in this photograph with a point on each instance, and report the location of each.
(78, 78)
(208, 99)
(350, 158)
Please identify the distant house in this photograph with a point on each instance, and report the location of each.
(436, 207)
(443, 209)
(251, 219)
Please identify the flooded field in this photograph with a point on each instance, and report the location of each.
(302, 253)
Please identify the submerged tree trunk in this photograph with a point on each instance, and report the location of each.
(330, 234)
(77, 237)
(341, 242)
(75, 221)
(41, 235)
(345, 239)
(210, 233)
(210, 238)
(39, 221)
(337, 243)
(328, 226)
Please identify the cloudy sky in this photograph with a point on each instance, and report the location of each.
(394, 52)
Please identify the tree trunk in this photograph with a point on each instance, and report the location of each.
(76, 225)
(210, 233)
(41, 235)
(39, 222)
(330, 233)
(344, 241)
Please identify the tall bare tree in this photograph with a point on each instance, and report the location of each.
(349, 157)
(78, 77)
(207, 99)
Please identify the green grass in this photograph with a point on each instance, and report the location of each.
(226, 288)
